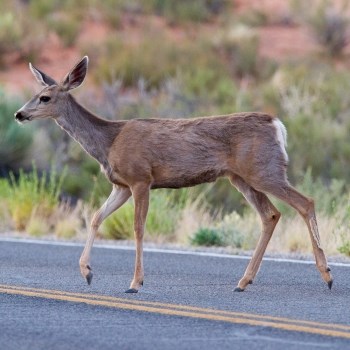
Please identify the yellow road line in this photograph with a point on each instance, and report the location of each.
(181, 307)
(334, 330)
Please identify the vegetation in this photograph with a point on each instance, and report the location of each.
(207, 237)
(179, 59)
(31, 199)
(14, 141)
(328, 23)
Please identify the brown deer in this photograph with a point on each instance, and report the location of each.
(142, 154)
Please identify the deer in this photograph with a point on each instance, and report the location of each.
(139, 155)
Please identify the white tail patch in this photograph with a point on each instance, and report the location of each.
(281, 134)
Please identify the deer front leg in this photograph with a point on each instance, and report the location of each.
(116, 199)
(141, 199)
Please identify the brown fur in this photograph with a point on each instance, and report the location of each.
(182, 153)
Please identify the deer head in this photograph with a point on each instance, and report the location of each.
(51, 101)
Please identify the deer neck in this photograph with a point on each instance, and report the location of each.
(94, 134)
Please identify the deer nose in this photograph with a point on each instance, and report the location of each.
(18, 116)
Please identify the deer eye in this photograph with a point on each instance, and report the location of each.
(45, 98)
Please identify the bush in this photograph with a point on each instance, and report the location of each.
(314, 108)
(152, 59)
(10, 33)
(344, 248)
(66, 28)
(120, 224)
(211, 86)
(14, 140)
(156, 59)
(240, 46)
(19, 33)
(32, 196)
(330, 27)
(163, 214)
(328, 22)
(184, 11)
(207, 237)
(239, 231)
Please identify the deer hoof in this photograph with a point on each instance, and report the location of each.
(89, 277)
(330, 283)
(238, 289)
(327, 277)
(86, 272)
(131, 291)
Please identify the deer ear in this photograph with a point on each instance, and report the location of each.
(41, 77)
(76, 76)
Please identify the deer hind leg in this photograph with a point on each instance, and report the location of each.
(269, 217)
(306, 208)
(140, 193)
(116, 199)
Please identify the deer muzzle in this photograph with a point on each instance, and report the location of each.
(21, 117)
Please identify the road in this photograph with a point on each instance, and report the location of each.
(187, 302)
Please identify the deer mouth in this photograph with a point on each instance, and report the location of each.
(24, 120)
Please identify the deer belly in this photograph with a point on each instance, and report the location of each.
(187, 179)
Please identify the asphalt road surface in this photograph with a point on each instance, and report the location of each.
(187, 302)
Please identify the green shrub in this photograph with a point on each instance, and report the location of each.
(207, 237)
(254, 18)
(310, 100)
(345, 248)
(66, 28)
(14, 140)
(20, 34)
(163, 214)
(152, 59)
(31, 195)
(42, 8)
(211, 85)
(10, 32)
(184, 11)
(240, 45)
(156, 58)
(330, 27)
(120, 224)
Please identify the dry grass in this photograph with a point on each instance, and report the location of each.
(68, 221)
(192, 218)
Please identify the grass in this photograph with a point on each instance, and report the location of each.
(31, 203)
(31, 198)
(68, 221)
(164, 212)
